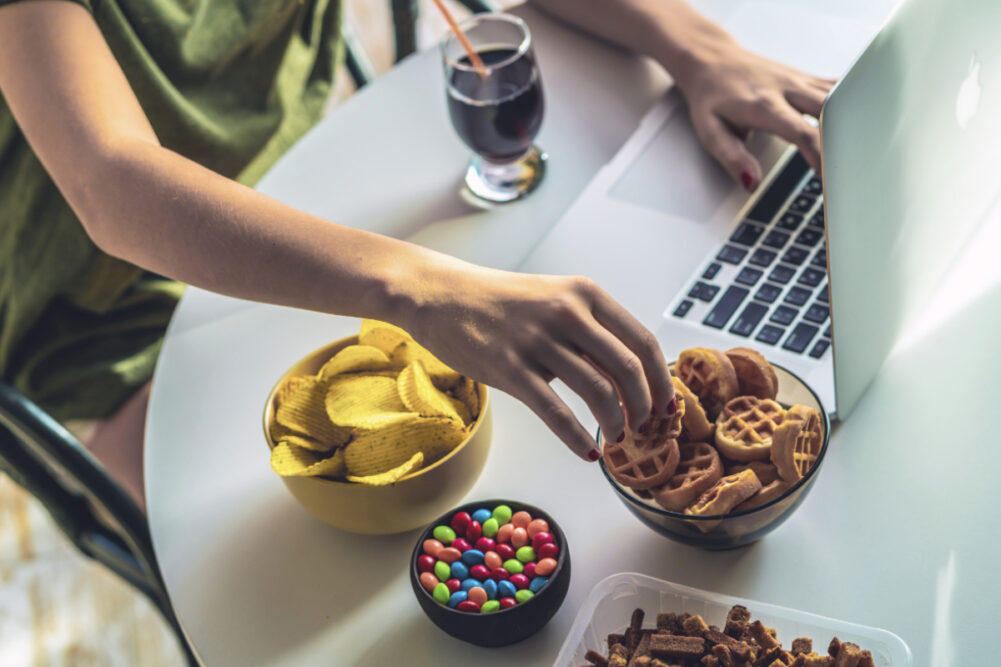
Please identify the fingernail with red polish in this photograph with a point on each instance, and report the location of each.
(747, 181)
(621, 437)
(594, 455)
(645, 427)
(672, 407)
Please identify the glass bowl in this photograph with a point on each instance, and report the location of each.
(737, 529)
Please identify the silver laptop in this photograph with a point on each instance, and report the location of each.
(820, 276)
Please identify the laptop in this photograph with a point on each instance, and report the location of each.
(821, 275)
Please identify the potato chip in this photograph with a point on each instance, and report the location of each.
(467, 392)
(305, 442)
(421, 396)
(354, 358)
(382, 335)
(377, 451)
(290, 385)
(302, 411)
(289, 460)
(441, 375)
(350, 399)
(391, 476)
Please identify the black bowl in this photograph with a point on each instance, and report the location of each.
(729, 531)
(506, 626)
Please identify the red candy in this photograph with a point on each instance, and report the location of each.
(425, 563)
(460, 522)
(474, 531)
(520, 581)
(449, 555)
(461, 544)
(485, 544)
(505, 551)
(453, 585)
(540, 539)
(507, 603)
(547, 550)
(432, 547)
(499, 574)
(479, 572)
(470, 606)
(529, 570)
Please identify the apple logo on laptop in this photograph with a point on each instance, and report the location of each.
(969, 95)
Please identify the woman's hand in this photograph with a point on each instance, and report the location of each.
(731, 91)
(517, 332)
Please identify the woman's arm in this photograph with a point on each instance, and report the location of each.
(729, 90)
(161, 211)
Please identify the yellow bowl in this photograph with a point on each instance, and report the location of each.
(414, 500)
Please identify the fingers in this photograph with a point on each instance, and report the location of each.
(781, 119)
(724, 144)
(806, 100)
(544, 402)
(596, 389)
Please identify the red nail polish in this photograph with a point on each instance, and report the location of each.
(672, 407)
(621, 437)
(645, 427)
(747, 181)
(594, 455)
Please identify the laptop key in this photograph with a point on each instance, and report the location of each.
(823, 295)
(762, 257)
(703, 291)
(800, 337)
(782, 274)
(811, 277)
(725, 307)
(683, 308)
(817, 220)
(827, 331)
(768, 293)
(816, 313)
(813, 186)
(731, 254)
(748, 276)
(711, 271)
(819, 348)
(797, 296)
(795, 256)
(801, 204)
(779, 190)
(776, 239)
(820, 259)
(769, 334)
(746, 234)
(809, 237)
(789, 220)
(783, 315)
(748, 319)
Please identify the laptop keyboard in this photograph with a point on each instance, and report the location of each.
(769, 279)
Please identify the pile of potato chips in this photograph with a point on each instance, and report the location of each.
(376, 411)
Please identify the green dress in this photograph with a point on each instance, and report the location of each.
(231, 84)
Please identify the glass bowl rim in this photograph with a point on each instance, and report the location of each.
(471, 22)
(643, 504)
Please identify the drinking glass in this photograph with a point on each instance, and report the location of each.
(498, 111)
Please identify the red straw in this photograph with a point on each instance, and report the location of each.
(474, 57)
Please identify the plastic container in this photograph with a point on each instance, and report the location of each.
(610, 604)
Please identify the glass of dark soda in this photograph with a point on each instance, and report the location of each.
(496, 110)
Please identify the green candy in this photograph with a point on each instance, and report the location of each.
(442, 570)
(513, 566)
(441, 593)
(444, 534)
(503, 514)
(490, 606)
(523, 595)
(490, 527)
(525, 554)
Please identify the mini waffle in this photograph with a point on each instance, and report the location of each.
(755, 376)
(796, 443)
(745, 427)
(641, 465)
(697, 427)
(698, 469)
(710, 375)
(726, 494)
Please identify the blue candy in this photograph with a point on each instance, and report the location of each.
(469, 583)
(481, 515)
(490, 586)
(472, 557)
(456, 598)
(538, 583)
(505, 589)
(459, 570)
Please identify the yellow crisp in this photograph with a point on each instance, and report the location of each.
(305, 442)
(351, 399)
(302, 411)
(391, 476)
(289, 460)
(421, 396)
(441, 375)
(382, 335)
(466, 392)
(290, 385)
(373, 452)
(355, 358)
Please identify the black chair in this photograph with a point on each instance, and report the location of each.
(405, 14)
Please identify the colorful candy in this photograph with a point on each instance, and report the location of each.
(489, 560)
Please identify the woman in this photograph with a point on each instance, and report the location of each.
(132, 129)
